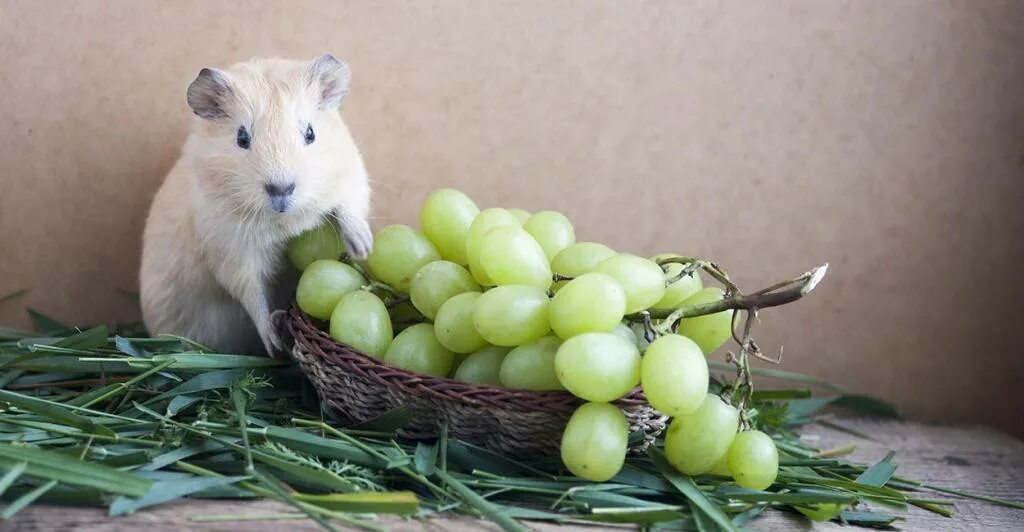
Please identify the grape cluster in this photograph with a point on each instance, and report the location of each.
(503, 297)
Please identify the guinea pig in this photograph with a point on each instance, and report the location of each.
(268, 157)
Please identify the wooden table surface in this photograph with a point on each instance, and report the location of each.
(970, 458)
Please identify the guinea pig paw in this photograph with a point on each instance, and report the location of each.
(273, 343)
(358, 238)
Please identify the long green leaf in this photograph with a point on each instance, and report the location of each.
(54, 412)
(880, 473)
(168, 490)
(212, 380)
(193, 361)
(425, 458)
(320, 446)
(685, 485)
(28, 498)
(56, 466)
(390, 502)
(485, 507)
(46, 324)
(11, 476)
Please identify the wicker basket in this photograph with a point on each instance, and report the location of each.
(359, 387)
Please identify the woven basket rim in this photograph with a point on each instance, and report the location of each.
(313, 340)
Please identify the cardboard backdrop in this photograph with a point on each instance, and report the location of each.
(882, 137)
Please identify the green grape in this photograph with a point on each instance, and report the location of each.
(598, 366)
(552, 230)
(483, 367)
(512, 315)
(531, 366)
(457, 359)
(678, 291)
(438, 282)
(454, 327)
(641, 278)
(509, 255)
(624, 331)
(321, 242)
(823, 511)
(399, 251)
(417, 349)
(521, 214)
(696, 441)
(445, 219)
(721, 467)
(361, 321)
(578, 259)
(712, 330)
(322, 285)
(674, 375)
(485, 221)
(753, 460)
(594, 442)
(592, 302)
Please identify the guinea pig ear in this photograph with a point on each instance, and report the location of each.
(208, 93)
(330, 79)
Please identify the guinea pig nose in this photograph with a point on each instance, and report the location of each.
(275, 189)
(280, 195)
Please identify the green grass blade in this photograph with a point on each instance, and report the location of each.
(193, 361)
(211, 380)
(485, 507)
(470, 457)
(93, 338)
(868, 519)
(800, 496)
(976, 496)
(698, 501)
(641, 516)
(272, 484)
(168, 490)
(425, 458)
(880, 473)
(320, 446)
(11, 476)
(21, 502)
(238, 399)
(388, 502)
(126, 346)
(53, 411)
(181, 453)
(46, 324)
(57, 466)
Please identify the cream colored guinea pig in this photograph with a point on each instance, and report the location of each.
(268, 157)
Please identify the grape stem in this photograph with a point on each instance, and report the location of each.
(395, 300)
(741, 390)
(685, 272)
(775, 295)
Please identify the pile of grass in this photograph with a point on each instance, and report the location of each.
(117, 419)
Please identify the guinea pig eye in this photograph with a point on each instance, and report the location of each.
(310, 136)
(242, 138)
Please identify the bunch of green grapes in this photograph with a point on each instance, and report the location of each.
(503, 297)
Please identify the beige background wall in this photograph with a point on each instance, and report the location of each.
(886, 137)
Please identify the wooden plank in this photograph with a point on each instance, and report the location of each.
(970, 458)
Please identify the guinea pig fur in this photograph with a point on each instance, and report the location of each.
(268, 157)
